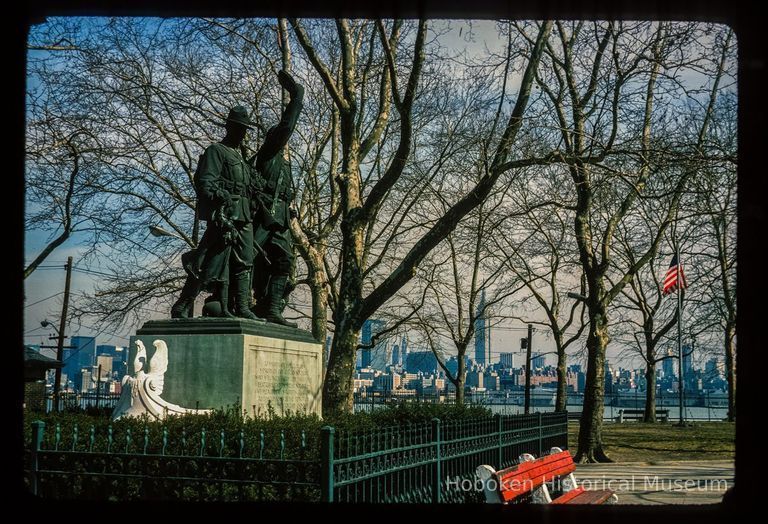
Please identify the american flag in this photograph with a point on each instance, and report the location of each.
(675, 277)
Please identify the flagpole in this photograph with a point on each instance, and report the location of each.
(681, 386)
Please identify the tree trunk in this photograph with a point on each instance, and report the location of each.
(562, 380)
(319, 292)
(650, 384)
(338, 389)
(730, 369)
(461, 379)
(591, 423)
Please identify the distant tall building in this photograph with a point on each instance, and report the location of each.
(482, 333)
(714, 368)
(80, 356)
(106, 350)
(609, 378)
(396, 355)
(378, 353)
(453, 364)
(381, 356)
(83, 380)
(120, 362)
(668, 365)
(687, 360)
(115, 354)
(507, 360)
(105, 361)
(424, 361)
(475, 379)
(403, 350)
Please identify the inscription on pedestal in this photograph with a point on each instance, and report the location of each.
(288, 378)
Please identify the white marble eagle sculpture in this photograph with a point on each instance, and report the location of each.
(141, 392)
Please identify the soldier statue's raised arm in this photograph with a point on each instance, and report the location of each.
(225, 188)
(272, 235)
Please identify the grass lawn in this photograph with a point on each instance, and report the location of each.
(658, 443)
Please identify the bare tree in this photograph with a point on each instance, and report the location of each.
(359, 211)
(610, 161)
(539, 250)
(464, 281)
(715, 200)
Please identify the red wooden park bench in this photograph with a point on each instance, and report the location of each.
(532, 476)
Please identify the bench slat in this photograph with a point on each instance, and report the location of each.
(597, 496)
(565, 498)
(519, 480)
(550, 462)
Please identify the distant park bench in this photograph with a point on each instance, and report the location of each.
(662, 415)
(532, 476)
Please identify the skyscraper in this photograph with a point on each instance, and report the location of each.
(715, 368)
(370, 328)
(381, 356)
(482, 333)
(687, 360)
(668, 365)
(80, 356)
(609, 378)
(507, 360)
(424, 361)
(106, 350)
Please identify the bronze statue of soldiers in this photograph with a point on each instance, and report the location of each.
(226, 191)
(273, 237)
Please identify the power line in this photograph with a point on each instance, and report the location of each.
(43, 300)
(94, 273)
(101, 332)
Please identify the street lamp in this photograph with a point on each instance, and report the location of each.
(45, 323)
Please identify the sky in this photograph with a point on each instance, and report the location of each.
(44, 288)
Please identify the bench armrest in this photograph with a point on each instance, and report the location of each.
(487, 476)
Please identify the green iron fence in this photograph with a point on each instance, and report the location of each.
(430, 462)
(424, 462)
(204, 466)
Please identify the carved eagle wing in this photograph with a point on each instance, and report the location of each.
(158, 365)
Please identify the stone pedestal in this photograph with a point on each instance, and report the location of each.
(219, 362)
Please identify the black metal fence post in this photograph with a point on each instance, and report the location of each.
(436, 484)
(38, 427)
(326, 464)
(499, 423)
(541, 434)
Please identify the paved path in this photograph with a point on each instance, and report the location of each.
(674, 482)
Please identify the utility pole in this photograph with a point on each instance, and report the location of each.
(528, 343)
(60, 345)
